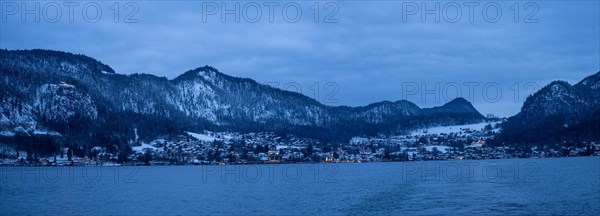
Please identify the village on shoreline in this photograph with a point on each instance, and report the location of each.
(467, 142)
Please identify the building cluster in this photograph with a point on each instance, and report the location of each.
(265, 147)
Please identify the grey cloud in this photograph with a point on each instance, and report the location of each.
(369, 53)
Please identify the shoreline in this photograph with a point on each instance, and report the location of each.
(273, 163)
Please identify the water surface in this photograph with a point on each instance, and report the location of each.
(485, 187)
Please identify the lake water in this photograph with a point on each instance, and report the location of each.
(485, 187)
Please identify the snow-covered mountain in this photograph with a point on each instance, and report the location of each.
(560, 98)
(57, 90)
(558, 111)
(63, 102)
(16, 116)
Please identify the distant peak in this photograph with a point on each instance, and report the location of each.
(461, 104)
(93, 64)
(457, 106)
(592, 81)
(559, 83)
(459, 101)
(404, 102)
(204, 71)
(206, 68)
(555, 87)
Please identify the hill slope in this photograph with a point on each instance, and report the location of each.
(558, 112)
(79, 96)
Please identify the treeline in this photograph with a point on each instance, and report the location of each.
(45, 145)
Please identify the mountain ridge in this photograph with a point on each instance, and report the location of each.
(203, 98)
(556, 113)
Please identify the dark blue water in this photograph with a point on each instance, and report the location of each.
(487, 187)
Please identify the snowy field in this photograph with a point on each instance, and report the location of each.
(142, 147)
(202, 137)
(451, 129)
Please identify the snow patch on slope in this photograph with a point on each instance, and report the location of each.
(450, 129)
(142, 147)
(16, 114)
(63, 101)
(202, 137)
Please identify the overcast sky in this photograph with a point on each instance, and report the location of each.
(356, 52)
